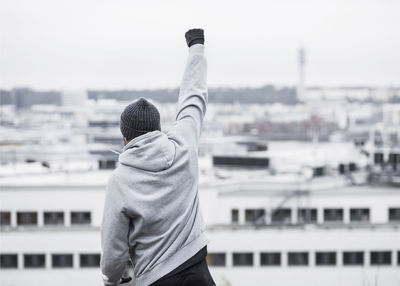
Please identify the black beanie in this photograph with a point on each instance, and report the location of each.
(139, 118)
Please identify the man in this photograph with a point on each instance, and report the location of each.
(151, 213)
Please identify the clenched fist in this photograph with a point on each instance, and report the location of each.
(194, 36)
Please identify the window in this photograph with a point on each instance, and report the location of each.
(378, 140)
(393, 139)
(342, 168)
(353, 258)
(394, 160)
(235, 215)
(318, 171)
(243, 259)
(270, 259)
(325, 258)
(8, 261)
(307, 215)
(352, 167)
(378, 158)
(62, 260)
(281, 216)
(381, 258)
(26, 218)
(34, 260)
(107, 164)
(241, 162)
(89, 260)
(345, 168)
(394, 214)
(80, 218)
(359, 214)
(216, 259)
(5, 218)
(332, 215)
(255, 216)
(297, 258)
(51, 218)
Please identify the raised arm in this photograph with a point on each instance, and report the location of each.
(193, 94)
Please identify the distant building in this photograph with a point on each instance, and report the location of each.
(74, 97)
(358, 93)
(25, 97)
(384, 147)
(5, 97)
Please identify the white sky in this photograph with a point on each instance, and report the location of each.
(140, 44)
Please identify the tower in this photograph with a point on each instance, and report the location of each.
(301, 64)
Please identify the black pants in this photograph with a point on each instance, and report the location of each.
(194, 275)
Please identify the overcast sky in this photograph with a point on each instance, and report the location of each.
(140, 44)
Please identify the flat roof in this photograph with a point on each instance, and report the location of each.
(249, 184)
(221, 227)
(57, 179)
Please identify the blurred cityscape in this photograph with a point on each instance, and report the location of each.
(296, 184)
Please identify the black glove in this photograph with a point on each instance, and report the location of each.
(194, 36)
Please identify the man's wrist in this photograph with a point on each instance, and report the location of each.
(197, 49)
(197, 41)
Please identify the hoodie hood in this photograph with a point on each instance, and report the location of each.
(152, 151)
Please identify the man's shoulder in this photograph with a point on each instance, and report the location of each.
(121, 175)
(115, 176)
(178, 135)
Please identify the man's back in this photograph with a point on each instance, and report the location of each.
(152, 212)
(162, 203)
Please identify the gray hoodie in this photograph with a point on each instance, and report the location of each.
(151, 211)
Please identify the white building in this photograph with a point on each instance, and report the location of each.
(268, 230)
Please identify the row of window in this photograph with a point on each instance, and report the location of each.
(310, 215)
(49, 218)
(392, 158)
(342, 168)
(10, 261)
(283, 215)
(329, 258)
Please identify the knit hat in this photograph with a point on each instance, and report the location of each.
(139, 118)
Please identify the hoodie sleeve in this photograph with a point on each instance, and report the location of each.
(114, 236)
(193, 98)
